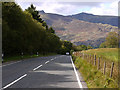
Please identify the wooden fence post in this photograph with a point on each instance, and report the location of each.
(95, 60)
(90, 59)
(111, 72)
(104, 68)
(98, 63)
(83, 55)
(87, 57)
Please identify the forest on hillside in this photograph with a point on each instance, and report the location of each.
(25, 31)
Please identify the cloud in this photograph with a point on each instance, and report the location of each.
(65, 8)
(69, 8)
(105, 9)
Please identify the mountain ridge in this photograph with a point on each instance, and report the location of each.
(79, 31)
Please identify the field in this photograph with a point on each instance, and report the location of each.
(94, 76)
(107, 53)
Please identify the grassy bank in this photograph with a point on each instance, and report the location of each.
(93, 77)
(16, 58)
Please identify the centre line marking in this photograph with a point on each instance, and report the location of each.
(37, 67)
(52, 59)
(46, 62)
(14, 81)
(79, 83)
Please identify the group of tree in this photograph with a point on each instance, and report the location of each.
(66, 47)
(25, 31)
(112, 40)
(82, 47)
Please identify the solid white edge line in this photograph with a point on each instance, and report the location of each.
(80, 85)
(37, 67)
(10, 63)
(14, 81)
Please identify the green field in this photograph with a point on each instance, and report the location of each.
(108, 53)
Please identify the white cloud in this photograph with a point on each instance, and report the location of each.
(59, 8)
(97, 8)
(105, 9)
(49, 7)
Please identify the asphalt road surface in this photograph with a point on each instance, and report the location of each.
(42, 72)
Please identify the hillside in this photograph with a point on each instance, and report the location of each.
(78, 31)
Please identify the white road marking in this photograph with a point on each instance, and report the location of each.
(37, 67)
(46, 62)
(79, 83)
(52, 59)
(14, 81)
(11, 63)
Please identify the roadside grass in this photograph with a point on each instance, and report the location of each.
(106, 53)
(16, 58)
(93, 77)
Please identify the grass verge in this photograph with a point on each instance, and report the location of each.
(16, 58)
(93, 77)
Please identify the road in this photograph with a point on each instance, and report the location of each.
(43, 72)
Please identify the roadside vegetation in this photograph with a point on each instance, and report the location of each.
(26, 32)
(19, 57)
(93, 69)
(93, 77)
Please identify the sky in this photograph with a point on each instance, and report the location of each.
(70, 8)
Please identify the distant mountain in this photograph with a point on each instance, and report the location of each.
(112, 20)
(78, 31)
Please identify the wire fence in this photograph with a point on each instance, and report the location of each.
(107, 67)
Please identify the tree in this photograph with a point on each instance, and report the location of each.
(89, 47)
(111, 41)
(51, 30)
(36, 15)
(65, 47)
(23, 33)
(44, 24)
(102, 45)
(80, 47)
